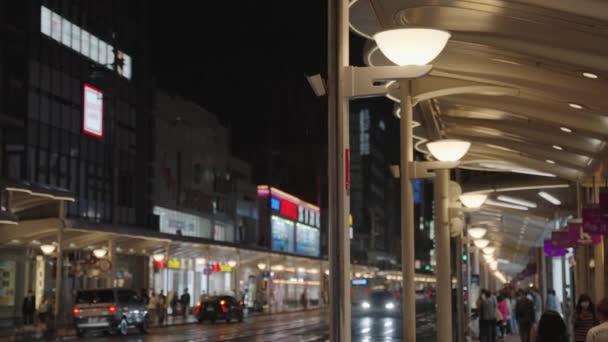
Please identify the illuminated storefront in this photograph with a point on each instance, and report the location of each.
(291, 224)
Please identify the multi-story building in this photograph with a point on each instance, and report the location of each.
(75, 121)
(370, 178)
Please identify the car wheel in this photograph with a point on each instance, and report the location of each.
(144, 326)
(200, 319)
(123, 326)
(79, 332)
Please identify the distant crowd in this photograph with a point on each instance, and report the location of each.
(513, 311)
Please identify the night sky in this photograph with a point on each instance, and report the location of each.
(246, 62)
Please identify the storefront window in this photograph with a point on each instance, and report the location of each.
(307, 240)
(282, 234)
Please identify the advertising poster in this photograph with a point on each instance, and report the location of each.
(7, 283)
(282, 235)
(307, 240)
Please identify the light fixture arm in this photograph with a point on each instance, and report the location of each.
(359, 81)
(425, 169)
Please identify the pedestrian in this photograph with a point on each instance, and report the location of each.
(553, 302)
(161, 307)
(145, 299)
(512, 300)
(487, 317)
(503, 309)
(584, 318)
(304, 299)
(600, 332)
(524, 312)
(551, 328)
(172, 300)
(43, 309)
(28, 308)
(185, 301)
(538, 304)
(152, 306)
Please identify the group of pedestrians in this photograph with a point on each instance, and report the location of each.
(159, 304)
(519, 312)
(32, 315)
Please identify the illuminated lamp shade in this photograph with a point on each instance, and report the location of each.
(448, 150)
(473, 200)
(100, 252)
(489, 250)
(262, 266)
(47, 249)
(481, 243)
(231, 263)
(477, 233)
(411, 46)
(158, 257)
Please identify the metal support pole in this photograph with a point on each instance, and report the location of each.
(469, 292)
(565, 301)
(460, 322)
(338, 170)
(407, 214)
(599, 273)
(59, 266)
(442, 251)
(543, 278)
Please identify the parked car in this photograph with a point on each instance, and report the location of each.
(219, 308)
(109, 310)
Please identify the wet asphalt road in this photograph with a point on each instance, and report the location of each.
(300, 326)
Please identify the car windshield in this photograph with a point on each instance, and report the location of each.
(92, 297)
(380, 296)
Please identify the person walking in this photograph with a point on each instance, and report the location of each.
(600, 332)
(511, 301)
(538, 304)
(144, 297)
(584, 318)
(161, 307)
(28, 308)
(553, 302)
(503, 308)
(551, 328)
(185, 301)
(487, 317)
(152, 306)
(524, 313)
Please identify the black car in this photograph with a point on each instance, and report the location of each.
(218, 308)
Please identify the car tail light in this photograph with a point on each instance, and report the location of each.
(112, 309)
(222, 302)
(398, 294)
(76, 311)
(197, 309)
(241, 303)
(223, 306)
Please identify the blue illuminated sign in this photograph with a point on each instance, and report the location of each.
(417, 191)
(275, 204)
(359, 282)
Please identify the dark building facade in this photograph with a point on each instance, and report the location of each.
(370, 183)
(76, 104)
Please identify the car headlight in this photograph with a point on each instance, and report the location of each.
(365, 305)
(389, 305)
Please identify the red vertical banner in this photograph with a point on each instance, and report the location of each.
(347, 171)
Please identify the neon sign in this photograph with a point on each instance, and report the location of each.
(289, 209)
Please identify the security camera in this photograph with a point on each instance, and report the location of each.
(317, 84)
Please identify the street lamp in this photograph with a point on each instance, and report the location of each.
(160, 257)
(473, 200)
(412, 49)
(481, 243)
(262, 266)
(100, 252)
(477, 233)
(489, 250)
(47, 249)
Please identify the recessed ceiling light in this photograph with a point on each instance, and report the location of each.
(557, 147)
(566, 129)
(550, 198)
(575, 105)
(550, 161)
(590, 75)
